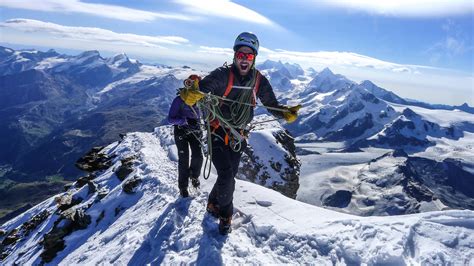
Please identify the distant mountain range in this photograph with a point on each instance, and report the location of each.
(429, 154)
(338, 109)
(54, 108)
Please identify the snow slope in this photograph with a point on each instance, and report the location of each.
(153, 225)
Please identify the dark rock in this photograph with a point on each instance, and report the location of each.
(2, 232)
(21, 233)
(3, 255)
(94, 161)
(252, 169)
(66, 201)
(82, 181)
(102, 193)
(130, 185)
(53, 242)
(340, 199)
(11, 238)
(70, 220)
(291, 174)
(92, 187)
(33, 223)
(417, 191)
(446, 180)
(78, 217)
(125, 168)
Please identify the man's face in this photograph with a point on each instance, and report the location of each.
(242, 63)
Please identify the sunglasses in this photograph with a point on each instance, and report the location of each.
(241, 56)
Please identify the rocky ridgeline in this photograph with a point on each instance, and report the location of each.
(279, 172)
(106, 172)
(69, 211)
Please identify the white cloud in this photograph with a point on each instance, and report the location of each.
(340, 59)
(430, 84)
(225, 9)
(101, 10)
(216, 50)
(90, 34)
(404, 8)
(453, 45)
(323, 59)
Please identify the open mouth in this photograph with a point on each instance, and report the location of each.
(244, 67)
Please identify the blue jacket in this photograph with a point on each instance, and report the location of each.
(181, 114)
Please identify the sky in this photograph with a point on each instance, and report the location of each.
(419, 49)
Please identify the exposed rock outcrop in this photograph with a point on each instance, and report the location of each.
(94, 160)
(270, 160)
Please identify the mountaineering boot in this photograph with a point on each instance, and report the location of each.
(213, 209)
(195, 182)
(184, 192)
(225, 225)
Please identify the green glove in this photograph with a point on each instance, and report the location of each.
(292, 113)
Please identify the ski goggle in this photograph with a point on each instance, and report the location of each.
(242, 56)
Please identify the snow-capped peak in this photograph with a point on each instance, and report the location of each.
(291, 71)
(118, 59)
(326, 72)
(88, 57)
(87, 54)
(269, 64)
(326, 81)
(367, 84)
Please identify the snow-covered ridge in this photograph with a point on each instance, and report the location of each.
(149, 223)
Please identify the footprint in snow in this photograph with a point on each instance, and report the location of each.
(264, 203)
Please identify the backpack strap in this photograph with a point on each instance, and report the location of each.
(230, 83)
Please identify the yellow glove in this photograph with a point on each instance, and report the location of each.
(191, 96)
(292, 114)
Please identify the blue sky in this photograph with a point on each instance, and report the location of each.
(420, 49)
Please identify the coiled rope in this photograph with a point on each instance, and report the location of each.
(240, 113)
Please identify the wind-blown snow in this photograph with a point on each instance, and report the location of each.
(155, 225)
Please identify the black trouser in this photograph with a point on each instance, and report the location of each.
(185, 139)
(226, 161)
